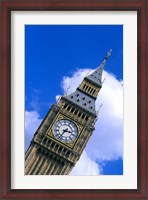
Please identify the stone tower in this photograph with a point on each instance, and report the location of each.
(63, 134)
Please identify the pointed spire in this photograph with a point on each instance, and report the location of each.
(108, 54)
(86, 94)
(96, 76)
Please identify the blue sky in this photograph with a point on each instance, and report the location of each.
(56, 52)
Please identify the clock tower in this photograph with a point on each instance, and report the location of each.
(63, 134)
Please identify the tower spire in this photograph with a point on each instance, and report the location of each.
(86, 94)
(96, 76)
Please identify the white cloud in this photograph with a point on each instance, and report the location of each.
(91, 167)
(106, 142)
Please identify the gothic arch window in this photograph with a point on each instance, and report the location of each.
(83, 116)
(89, 89)
(68, 108)
(39, 150)
(79, 114)
(72, 110)
(44, 140)
(94, 91)
(49, 142)
(52, 144)
(76, 111)
(41, 136)
(56, 146)
(86, 118)
(60, 149)
(68, 153)
(65, 105)
(84, 86)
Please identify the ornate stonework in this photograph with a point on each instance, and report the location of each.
(62, 136)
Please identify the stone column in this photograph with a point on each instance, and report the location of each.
(48, 166)
(44, 166)
(39, 164)
(30, 154)
(33, 165)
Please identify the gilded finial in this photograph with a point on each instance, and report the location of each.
(98, 113)
(58, 99)
(104, 80)
(108, 54)
(99, 108)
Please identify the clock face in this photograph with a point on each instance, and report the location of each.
(65, 130)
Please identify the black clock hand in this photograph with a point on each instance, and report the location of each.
(64, 130)
(68, 131)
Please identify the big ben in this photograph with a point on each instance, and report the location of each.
(63, 134)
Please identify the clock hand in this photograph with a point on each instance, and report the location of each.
(68, 131)
(64, 130)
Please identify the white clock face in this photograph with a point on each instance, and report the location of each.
(65, 130)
